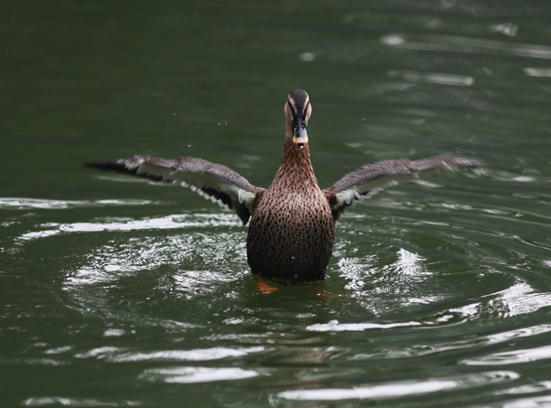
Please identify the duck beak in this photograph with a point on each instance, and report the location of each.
(300, 136)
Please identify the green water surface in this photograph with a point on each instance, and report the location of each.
(117, 293)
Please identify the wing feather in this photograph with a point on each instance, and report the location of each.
(369, 179)
(212, 181)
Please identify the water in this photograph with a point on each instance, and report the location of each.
(126, 294)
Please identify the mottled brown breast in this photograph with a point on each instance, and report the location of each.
(291, 236)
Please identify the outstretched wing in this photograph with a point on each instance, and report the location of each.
(372, 178)
(213, 181)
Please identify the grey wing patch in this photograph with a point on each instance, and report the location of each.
(369, 179)
(216, 182)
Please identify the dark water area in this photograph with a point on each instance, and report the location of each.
(117, 293)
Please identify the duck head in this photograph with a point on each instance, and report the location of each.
(297, 112)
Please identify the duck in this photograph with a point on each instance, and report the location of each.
(292, 222)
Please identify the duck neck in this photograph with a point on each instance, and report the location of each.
(295, 170)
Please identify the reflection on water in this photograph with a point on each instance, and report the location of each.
(512, 357)
(34, 203)
(433, 77)
(401, 389)
(169, 222)
(187, 375)
(77, 402)
(334, 326)
(521, 298)
(215, 353)
(538, 72)
(435, 348)
(448, 43)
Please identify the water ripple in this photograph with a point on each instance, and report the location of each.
(189, 375)
(512, 357)
(43, 204)
(335, 326)
(215, 353)
(400, 389)
(478, 341)
(449, 43)
(434, 77)
(79, 402)
(176, 221)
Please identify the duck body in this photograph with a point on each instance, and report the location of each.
(292, 223)
(292, 230)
